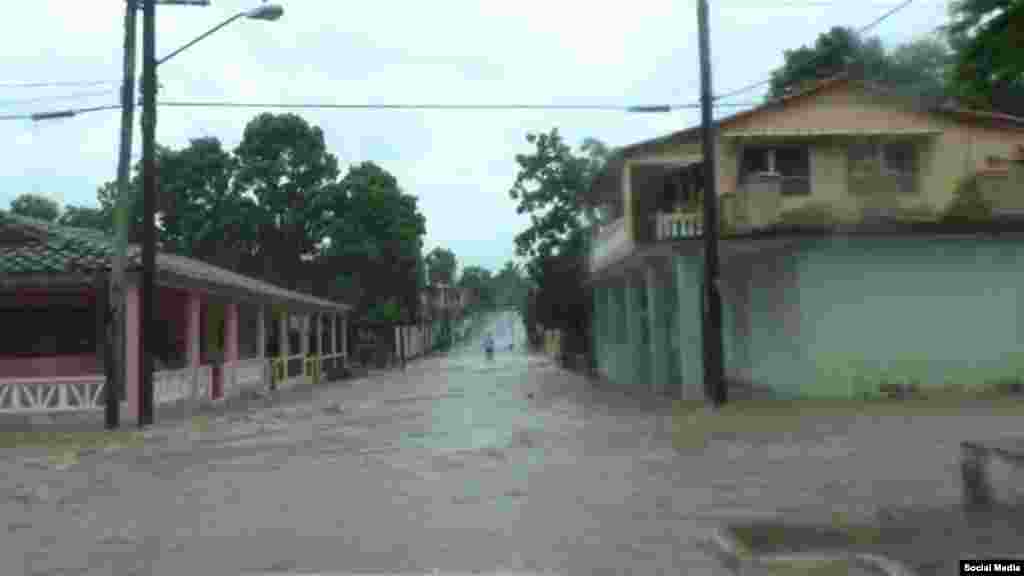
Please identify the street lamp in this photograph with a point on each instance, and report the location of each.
(149, 65)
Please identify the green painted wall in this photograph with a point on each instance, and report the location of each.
(215, 313)
(932, 312)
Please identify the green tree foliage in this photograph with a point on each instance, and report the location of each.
(202, 215)
(35, 206)
(480, 284)
(284, 165)
(918, 69)
(441, 266)
(85, 217)
(988, 39)
(833, 52)
(373, 238)
(550, 187)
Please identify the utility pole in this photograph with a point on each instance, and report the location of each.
(714, 369)
(122, 222)
(148, 210)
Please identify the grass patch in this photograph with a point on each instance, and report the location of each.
(782, 538)
(63, 448)
(808, 567)
(200, 423)
(694, 423)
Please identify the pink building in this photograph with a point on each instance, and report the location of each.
(218, 332)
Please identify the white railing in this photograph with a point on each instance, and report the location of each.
(173, 385)
(204, 382)
(41, 395)
(248, 374)
(675, 225)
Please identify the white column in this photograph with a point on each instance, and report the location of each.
(282, 341)
(261, 314)
(331, 344)
(304, 331)
(344, 336)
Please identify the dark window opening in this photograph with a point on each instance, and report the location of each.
(50, 331)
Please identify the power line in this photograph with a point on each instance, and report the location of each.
(817, 57)
(72, 96)
(329, 106)
(491, 107)
(58, 84)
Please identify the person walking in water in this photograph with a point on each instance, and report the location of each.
(489, 346)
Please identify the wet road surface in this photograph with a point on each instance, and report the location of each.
(455, 464)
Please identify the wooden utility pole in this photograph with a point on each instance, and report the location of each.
(147, 332)
(714, 369)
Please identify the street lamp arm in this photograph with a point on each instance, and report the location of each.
(201, 37)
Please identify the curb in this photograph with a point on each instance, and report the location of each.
(741, 561)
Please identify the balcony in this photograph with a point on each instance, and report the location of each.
(677, 225)
(608, 244)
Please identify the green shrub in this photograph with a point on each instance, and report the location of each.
(811, 214)
(968, 204)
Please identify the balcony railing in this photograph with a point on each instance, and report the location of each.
(678, 225)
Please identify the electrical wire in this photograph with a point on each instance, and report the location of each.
(818, 56)
(592, 107)
(72, 96)
(59, 84)
(327, 106)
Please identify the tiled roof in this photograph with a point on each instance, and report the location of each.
(30, 246)
(34, 247)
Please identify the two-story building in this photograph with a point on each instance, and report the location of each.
(816, 300)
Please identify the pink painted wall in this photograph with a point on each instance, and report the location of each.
(49, 366)
(133, 318)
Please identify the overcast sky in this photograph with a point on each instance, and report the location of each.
(459, 164)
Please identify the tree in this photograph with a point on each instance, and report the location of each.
(283, 166)
(918, 69)
(833, 52)
(35, 206)
(203, 215)
(373, 238)
(987, 37)
(550, 187)
(85, 217)
(478, 281)
(441, 266)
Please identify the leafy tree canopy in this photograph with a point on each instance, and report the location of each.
(35, 206)
(441, 266)
(988, 39)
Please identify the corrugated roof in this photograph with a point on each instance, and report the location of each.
(31, 246)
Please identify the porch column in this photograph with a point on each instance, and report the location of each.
(261, 339)
(283, 350)
(304, 330)
(656, 329)
(192, 327)
(344, 337)
(261, 336)
(688, 293)
(132, 320)
(230, 346)
(634, 331)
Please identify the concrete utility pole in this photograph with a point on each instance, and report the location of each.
(714, 369)
(122, 214)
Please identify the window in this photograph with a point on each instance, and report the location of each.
(51, 331)
(880, 166)
(791, 163)
(899, 158)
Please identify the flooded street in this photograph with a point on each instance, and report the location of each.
(456, 464)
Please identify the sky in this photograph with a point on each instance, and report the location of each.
(460, 164)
